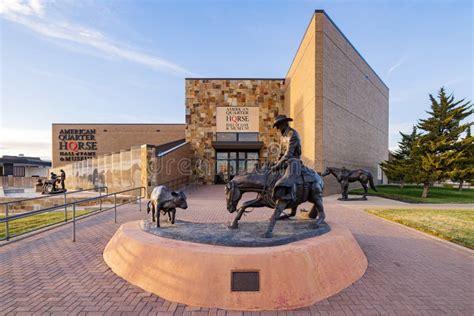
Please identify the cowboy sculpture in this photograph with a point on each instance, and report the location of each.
(284, 186)
(290, 160)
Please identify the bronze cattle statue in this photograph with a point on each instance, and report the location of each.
(165, 200)
(345, 176)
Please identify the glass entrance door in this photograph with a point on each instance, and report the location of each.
(230, 163)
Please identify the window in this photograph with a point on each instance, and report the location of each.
(18, 171)
(248, 137)
(252, 155)
(222, 155)
(226, 137)
(236, 137)
(230, 163)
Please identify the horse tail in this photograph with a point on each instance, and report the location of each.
(148, 207)
(371, 182)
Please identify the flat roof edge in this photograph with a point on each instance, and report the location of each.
(343, 35)
(350, 43)
(164, 153)
(234, 78)
(118, 123)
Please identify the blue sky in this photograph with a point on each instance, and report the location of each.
(125, 61)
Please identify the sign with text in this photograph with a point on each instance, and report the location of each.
(77, 144)
(237, 119)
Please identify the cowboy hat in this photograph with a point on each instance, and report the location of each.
(280, 119)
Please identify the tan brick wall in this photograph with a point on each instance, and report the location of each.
(339, 104)
(355, 106)
(174, 165)
(115, 137)
(300, 95)
(202, 98)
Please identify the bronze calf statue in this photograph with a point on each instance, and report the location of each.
(165, 200)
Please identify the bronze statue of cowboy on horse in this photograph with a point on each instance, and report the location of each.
(285, 185)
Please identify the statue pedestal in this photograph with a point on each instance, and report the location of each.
(282, 277)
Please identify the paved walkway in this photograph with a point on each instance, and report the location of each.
(408, 273)
(378, 202)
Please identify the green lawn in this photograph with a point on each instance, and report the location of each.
(26, 224)
(453, 225)
(412, 194)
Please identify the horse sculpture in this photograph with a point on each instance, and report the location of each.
(262, 181)
(345, 176)
(50, 186)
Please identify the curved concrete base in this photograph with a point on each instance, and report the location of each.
(291, 276)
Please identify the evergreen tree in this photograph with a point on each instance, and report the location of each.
(435, 152)
(464, 167)
(398, 168)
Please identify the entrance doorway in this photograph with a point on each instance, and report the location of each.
(230, 163)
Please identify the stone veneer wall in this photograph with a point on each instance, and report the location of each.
(202, 98)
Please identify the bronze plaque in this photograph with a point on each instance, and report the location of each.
(245, 281)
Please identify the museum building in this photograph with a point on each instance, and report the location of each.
(339, 105)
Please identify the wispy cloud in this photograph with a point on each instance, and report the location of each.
(31, 7)
(32, 14)
(396, 65)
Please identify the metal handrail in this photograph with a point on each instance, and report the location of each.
(99, 189)
(9, 218)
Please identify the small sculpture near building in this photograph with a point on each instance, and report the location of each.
(62, 178)
(162, 199)
(50, 186)
(345, 176)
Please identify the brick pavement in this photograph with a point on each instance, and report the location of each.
(408, 273)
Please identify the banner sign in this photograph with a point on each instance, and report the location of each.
(77, 144)
(237, 119)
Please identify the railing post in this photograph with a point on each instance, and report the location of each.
(100, 198)
(7, 235)
(74, 222)
(115, 207)
(140, 199)
(65, 207)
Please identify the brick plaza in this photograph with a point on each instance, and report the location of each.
(409, 272)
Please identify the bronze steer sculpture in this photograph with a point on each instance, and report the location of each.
(164, 200)
(345, 176)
